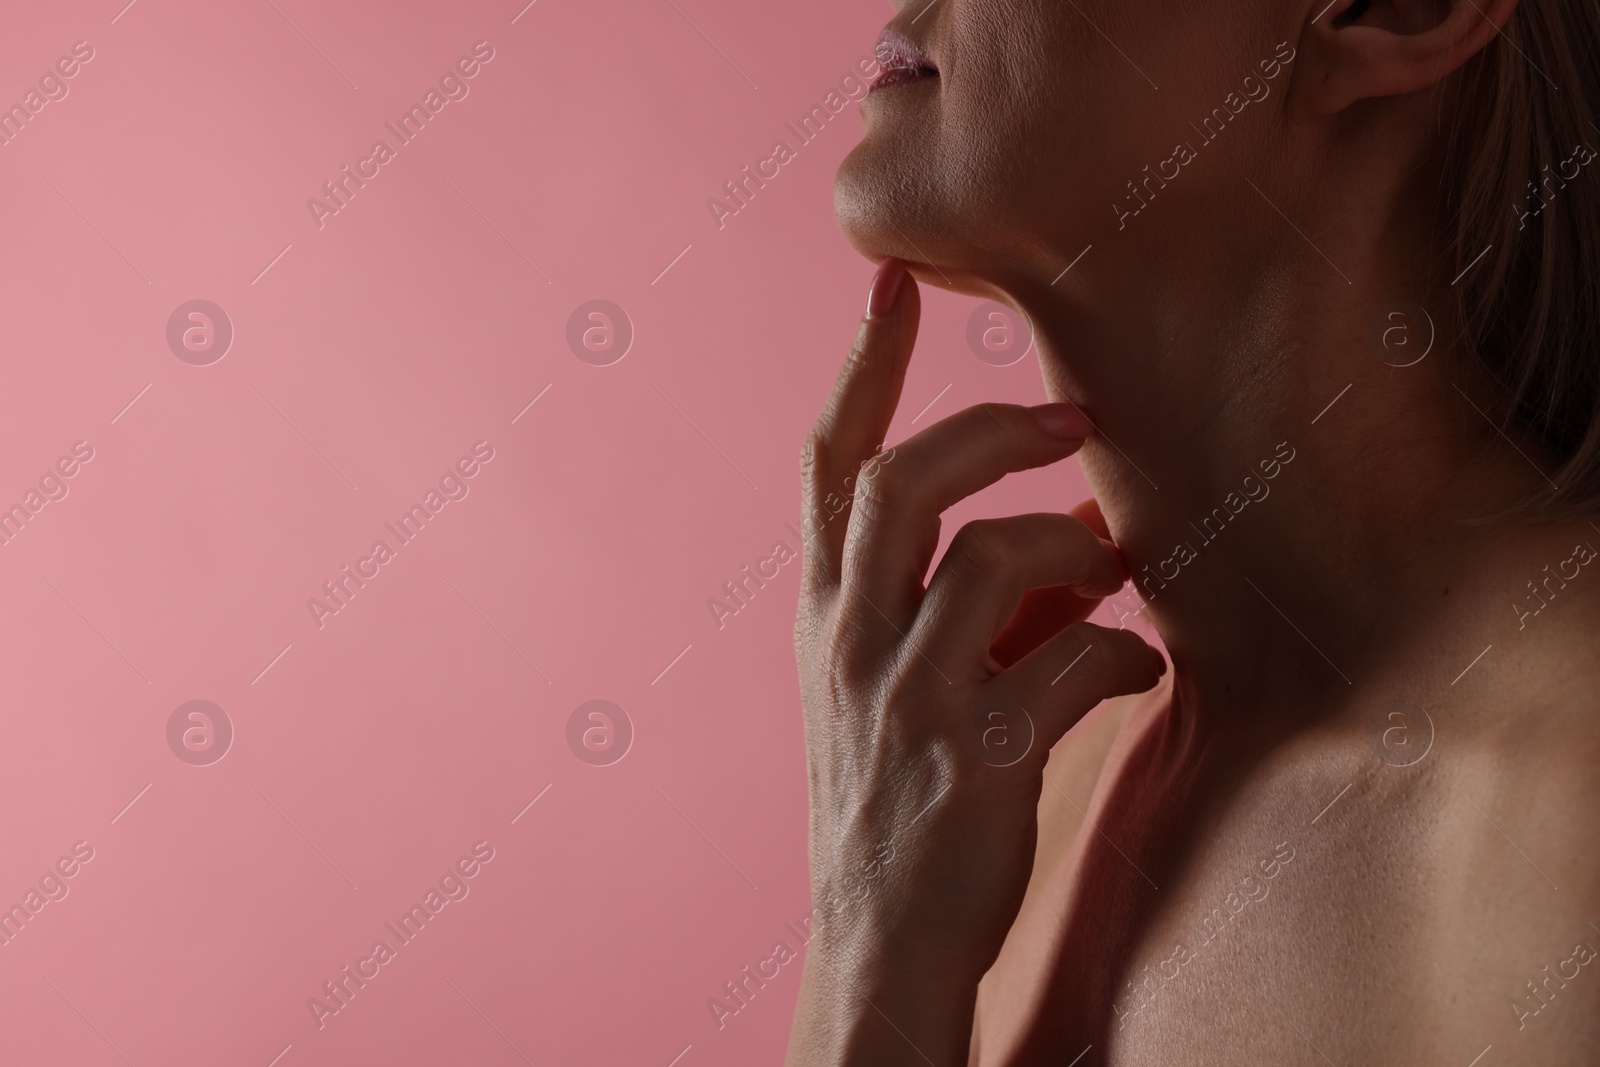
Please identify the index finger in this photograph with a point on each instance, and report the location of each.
(894, 529)
(855, 420)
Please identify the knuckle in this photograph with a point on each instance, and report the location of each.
(878, 458)
(814, 456)
(861, 352)
(881, 489)
(1096, 638)
(1001, 419)
(811, 449)
(870, 466)
(979, 547)
(838, 684)
(819, 571)
(904, 694)
(947, 760)
(836, 653)
(1116, 652)
(969, 773)
(830, 675)
(807, 624)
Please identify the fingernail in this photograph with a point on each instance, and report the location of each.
(1063, 420)
(885, 287)
(1118, 558)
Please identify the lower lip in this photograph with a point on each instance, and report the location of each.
(900, 76)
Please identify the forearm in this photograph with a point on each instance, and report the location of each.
(853, 1012)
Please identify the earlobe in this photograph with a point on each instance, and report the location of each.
(1368, 49)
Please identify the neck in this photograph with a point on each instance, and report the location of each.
(1294, 505)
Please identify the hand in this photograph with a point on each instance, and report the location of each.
(930, 710)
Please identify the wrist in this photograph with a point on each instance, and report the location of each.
(882, 945)
(860, 1007)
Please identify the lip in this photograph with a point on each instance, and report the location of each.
(901, 60)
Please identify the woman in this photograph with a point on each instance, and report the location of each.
(1312, 286)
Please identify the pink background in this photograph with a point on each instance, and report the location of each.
(369, 354)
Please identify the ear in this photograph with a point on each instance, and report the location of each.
(1366, 49)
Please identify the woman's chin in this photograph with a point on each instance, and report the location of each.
(879, 216)
(878, 228)
(865, 213)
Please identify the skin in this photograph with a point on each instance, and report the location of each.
(1385, 887)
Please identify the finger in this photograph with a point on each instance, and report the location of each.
(988, 567)
(1088, 512)
(1061, 681)
(894, 521)
(856, 418)
(1044, 613)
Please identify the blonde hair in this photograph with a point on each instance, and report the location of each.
(1530, 307)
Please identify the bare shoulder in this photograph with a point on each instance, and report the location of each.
(1081, 758)
(1513, 854)
(1075, 768)
(1072, 774)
